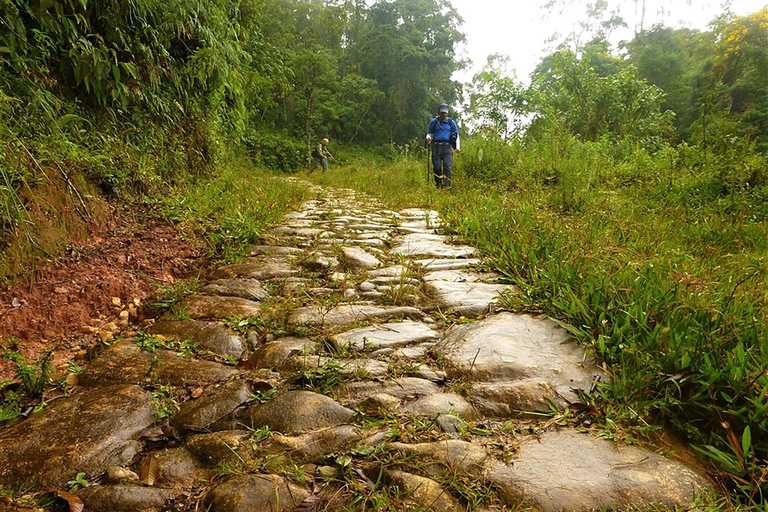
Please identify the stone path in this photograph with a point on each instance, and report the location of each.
(355, 361)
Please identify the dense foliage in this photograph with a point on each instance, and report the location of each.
(125, 98)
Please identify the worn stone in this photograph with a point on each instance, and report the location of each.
(125, 363)
(404, 388)
(214, 448)
(319, 262)
(450, 457)
(568, 470)
(460, 276)
(298, 411)
(466, 299)
(439, 403)
(431, 246)
(120, 475)
(126, 498)
(514, 347)
(250, 493)
(87, 432)
(316, 443)
(216, 402)
(213, 336)
(451, 425)
(504, 399)
(275, 353)
(355, 258)
(386, 335)
(347, 314)
(424, 493)
(214, 306)
(395, 272)
(256, 268)
(447, 263)
(178, 468)
(272, 250)
(298, 231)
(250, 289)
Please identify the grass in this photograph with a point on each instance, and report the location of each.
(660, 272)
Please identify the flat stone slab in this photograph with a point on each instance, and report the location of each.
(297, 231)
(447, 263)
(460, 276)
(511, 347)
(423, 493)
(245, 288)
(216, 402)
(568, 470)
(213, 336)
(439, 403)
(272, 250)
(297, 412)
(386, 335)
(314, 444)
(256, 268)
(403, 388)
(355, 258)
(391, 271)
(84, 433)
(423, 245)
(275, 353)
(464, 298)
(177, 468)
(450, 457)
(347, 314)
(126, 498)
(125, 363)
(250, 493)
(213, 306)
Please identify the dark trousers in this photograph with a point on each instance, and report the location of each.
(442, 161)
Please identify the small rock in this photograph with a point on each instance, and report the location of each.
(120, 475)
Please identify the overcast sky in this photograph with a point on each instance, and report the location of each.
(518, 28)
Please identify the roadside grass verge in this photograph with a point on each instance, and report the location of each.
(665, 282)
(231, 211)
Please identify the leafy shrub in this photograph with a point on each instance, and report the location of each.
(277, 152)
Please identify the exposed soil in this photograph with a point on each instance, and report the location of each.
(77, 300)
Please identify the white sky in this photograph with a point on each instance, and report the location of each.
(516, 27)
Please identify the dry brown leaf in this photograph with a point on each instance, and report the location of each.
(197, 393)
(75, 503)
(149, 470)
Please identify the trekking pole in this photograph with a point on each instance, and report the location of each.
(426, 145)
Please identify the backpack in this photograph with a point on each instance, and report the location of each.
(315, 152)
(454, 129)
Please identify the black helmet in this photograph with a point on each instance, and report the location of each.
(443, 107)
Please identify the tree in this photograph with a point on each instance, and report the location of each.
(408, 48)
(497, 102)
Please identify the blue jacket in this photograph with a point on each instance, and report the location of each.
(441, 132)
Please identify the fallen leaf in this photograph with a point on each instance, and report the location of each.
(149, 471)
(197, 393)
(75, 503)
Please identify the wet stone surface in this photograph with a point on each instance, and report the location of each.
(354, 349)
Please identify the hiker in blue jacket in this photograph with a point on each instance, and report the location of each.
(443, 135)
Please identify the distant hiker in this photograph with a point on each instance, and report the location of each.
(321, 156)
(443, 134)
